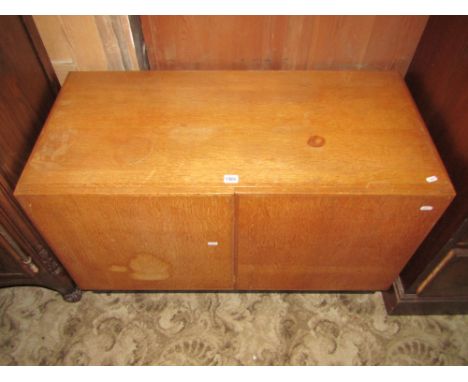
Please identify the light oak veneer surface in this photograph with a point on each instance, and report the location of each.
(173, 132)
(335, 180)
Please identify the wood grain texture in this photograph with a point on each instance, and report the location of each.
(25, 97)
(181, 132)
(28, 89)
(329, 242)
(139, 242)
(282, 42)
(126, 181)
(76, 43)
(41, 53)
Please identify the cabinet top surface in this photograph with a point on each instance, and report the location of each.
(279, 132)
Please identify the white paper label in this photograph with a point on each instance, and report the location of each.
(431, 179)
(231, 178)
(212, 244)
(426, 208)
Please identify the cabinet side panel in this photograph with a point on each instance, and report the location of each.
(338, 242)
(139, 242)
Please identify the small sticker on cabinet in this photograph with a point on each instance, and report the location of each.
(229, 179)
(212, 244)
(426, 208)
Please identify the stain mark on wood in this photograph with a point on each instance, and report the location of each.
(149, 267)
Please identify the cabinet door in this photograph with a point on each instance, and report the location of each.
(336, 242)
(135, 242)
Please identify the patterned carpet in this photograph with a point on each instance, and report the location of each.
(37, 327)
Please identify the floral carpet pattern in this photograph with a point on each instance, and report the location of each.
(38, 328)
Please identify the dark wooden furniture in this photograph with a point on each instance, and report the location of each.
(28, 89)
(239, 180)
(436, 279)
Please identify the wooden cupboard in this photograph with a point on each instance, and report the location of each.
(28, 89)
(248, 180)
(435, 281)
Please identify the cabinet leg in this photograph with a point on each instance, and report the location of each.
(73, 296)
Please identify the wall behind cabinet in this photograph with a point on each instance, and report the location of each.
(282, 42)
(230, 42)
